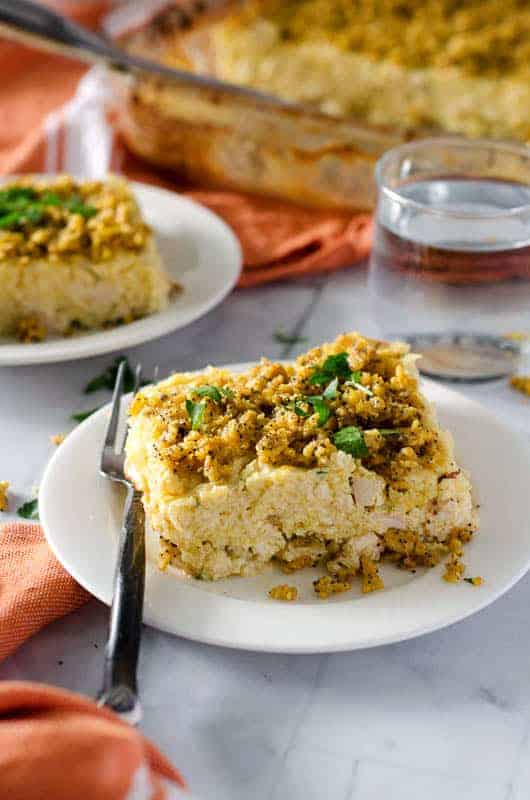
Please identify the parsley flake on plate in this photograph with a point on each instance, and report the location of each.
(288, 338)
(107, 378)
(29, 510)
(351, 440)
(81, 416)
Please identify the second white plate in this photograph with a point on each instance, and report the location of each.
(83, 532)
(199, 251)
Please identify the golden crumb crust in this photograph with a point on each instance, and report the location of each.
(279, 414)
(480, 37)
(60, 217)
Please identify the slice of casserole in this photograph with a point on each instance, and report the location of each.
(335, 459)
(75, 255)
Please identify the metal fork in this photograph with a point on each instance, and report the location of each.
(119, 691)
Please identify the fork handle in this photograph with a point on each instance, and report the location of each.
(120, 689)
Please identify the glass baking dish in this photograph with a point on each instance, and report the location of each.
(291, 152)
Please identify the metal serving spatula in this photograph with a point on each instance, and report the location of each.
(39, 26)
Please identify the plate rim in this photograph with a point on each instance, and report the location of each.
(478, 601)
(133, 334)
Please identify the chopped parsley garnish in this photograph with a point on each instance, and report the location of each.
(336, 366)
(298, 409)
(107, 378)
(81, 416)
(351, 440)
(355, 380)
(321, 408)
(16, 194)
(226, 391)
(208, 391)
(196, 413)
(21, 205)
(390, 431)
(330, 392)
(76, 206)
(288, 338)
(30, 509)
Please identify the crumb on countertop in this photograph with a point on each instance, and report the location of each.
(57, 438)
(4, 486)
(284, 592)
(521, 383)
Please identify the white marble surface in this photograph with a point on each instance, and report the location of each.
(443, 716)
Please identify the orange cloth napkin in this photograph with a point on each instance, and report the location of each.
(43, 729)
(56, 745)
(34, 587)
(279, 240)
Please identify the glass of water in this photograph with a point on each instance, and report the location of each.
(450, 265)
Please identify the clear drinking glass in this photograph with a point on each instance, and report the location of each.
(450, 266)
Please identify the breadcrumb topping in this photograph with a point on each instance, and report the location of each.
(218, 420)
(72, 218)
(480, 37)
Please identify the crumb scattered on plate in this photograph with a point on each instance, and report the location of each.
(476, 581)
(284, 592)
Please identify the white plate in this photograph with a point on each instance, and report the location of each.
(199, 251)
(81, 515)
